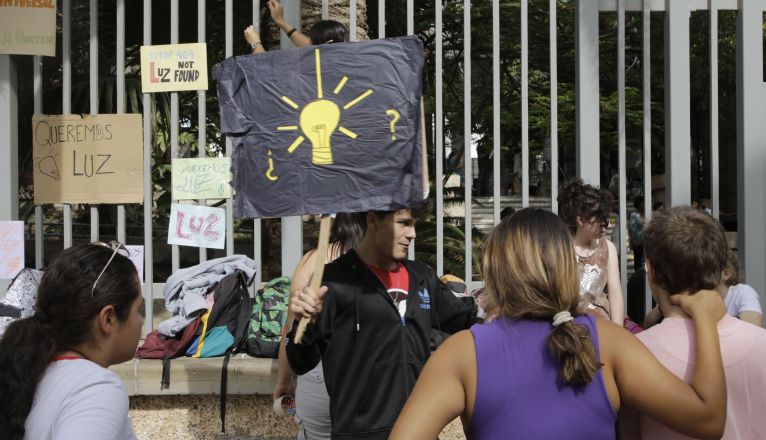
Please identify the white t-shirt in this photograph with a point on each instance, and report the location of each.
(78, 399)
(742, 298)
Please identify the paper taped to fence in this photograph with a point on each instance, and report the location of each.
(202, 178)
(136, 255)
(11, 248)
(28, 27)
(200, 226)
(335, 128)
(173, 67)
(88, 158)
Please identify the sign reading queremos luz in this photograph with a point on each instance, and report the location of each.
(88, 158)
(28, 27)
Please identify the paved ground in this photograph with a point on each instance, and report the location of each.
(197, 418)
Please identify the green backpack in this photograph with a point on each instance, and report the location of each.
(268, 317)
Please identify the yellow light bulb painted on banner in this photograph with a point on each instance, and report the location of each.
(320, 118)
(318, 121)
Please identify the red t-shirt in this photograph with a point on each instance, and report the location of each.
(396, 282)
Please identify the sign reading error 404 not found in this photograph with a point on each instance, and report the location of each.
(174, 67)
(88, 158)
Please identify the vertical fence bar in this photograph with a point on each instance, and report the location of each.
(120, 73)
(93, 12)
(496, 111)
(411, 31)
(553, 54)
(202, 108)
(38, 109)
(647, 109)
(257, 258)
(714, 166)
(381, 18)
(467, 159)
(229, 204)
(751, 137)
(9, 142)
(325, 10)
(173, 123)
(291, 226)
(677, 104)
(66, 98)
(439, 145)
(352, 20)
(410, 17)
(148, 197)
(621, 146)
(524, 104)
(587, 91)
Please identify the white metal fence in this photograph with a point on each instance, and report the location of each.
(751, 131)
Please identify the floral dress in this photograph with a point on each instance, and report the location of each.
(593, 275)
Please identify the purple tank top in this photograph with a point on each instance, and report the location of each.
(519, 391)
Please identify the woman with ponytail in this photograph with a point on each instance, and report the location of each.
(543, 370)
(54, 380)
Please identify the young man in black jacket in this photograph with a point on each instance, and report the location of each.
(372, 322)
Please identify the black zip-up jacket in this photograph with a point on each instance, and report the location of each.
(370, 355)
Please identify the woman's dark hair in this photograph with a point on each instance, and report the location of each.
(63, 319)
(577, 198)
(530, 272)
(347, 231)
(328, 31)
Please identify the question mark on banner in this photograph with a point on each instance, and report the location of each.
(271, 168)
(395, 117)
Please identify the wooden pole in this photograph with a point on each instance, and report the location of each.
(316, 277)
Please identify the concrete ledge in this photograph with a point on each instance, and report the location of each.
(188, 376)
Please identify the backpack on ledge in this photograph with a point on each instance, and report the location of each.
(225, 326)
(269, 314)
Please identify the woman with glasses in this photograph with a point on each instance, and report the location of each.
(585, 211)
(55, 383)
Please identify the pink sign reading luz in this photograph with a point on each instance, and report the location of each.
(200, 226)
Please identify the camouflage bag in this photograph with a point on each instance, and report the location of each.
(268, 317)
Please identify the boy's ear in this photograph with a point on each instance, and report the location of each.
(372, 220)
(649, 271)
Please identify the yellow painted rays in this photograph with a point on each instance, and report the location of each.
(320, 118)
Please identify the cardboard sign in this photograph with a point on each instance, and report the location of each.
(136, 255)
(11, 249)
(28, 27)
(173, 67)
(88, 159)
(206, 178)
(200, 226)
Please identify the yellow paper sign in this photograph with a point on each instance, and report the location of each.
(173, 67)
(204, 178)
(88, 159)
(28, 27)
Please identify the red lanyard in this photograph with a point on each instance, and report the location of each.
(65, 358)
